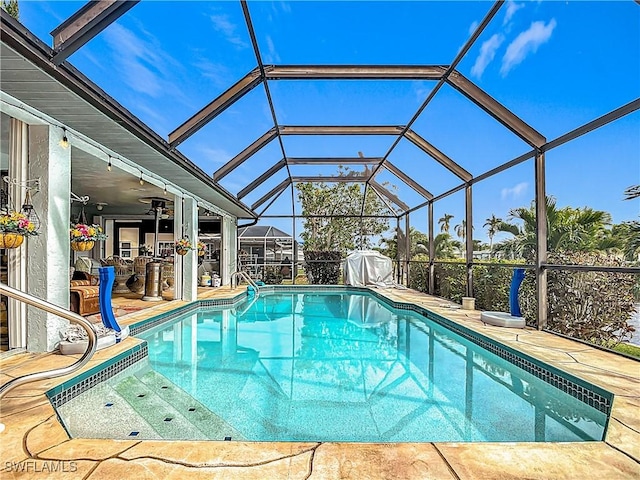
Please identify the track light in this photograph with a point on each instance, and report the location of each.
(141, 180)
(109, 165)
(64, 143)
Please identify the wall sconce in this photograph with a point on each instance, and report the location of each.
(64, 143)
(100, 206)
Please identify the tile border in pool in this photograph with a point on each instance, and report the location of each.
(61, 394)
(592, 395)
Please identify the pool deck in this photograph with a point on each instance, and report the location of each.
(35, 445)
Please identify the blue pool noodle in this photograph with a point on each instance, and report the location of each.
(516, 280)
(107, 276)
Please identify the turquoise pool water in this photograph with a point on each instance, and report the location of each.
(346, 367)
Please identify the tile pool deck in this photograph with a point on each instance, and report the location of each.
(35, 445)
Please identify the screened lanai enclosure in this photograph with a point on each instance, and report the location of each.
(462, 140)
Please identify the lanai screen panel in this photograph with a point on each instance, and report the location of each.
(496, 197)
(467, 134)
(373, 33)
(336, 145)
(229, 134)
(347, 102)
(423, 169)
(603, 158)
(545, 60)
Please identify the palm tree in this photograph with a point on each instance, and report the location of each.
(577, 229)
(444, 222)
(444, 246)
(632, 192)
(12, 8)
(492, 223)
(461, 231)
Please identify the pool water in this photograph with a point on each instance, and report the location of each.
(345, 367)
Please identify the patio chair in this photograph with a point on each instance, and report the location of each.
(123, 269)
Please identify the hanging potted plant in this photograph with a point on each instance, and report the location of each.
(183, 246)
(202, 248)
(84, 236)
(14, 226)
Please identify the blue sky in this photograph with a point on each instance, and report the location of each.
(555, 64)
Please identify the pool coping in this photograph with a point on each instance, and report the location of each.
(34, 433)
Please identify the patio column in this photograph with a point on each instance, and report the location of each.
(469, 238)
(407, 248)
(190, 260)
(541, 239)
(432, 253)
(17, 258)
(49, 253)
(229, 253)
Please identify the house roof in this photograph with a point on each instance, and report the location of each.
(259, 231)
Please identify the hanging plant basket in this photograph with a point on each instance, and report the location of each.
(11, 240)
(82, 246)
(182, 251)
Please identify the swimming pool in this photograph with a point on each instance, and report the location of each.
(343, 366)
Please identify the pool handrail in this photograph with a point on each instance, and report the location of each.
(242, 274)
(61, 312)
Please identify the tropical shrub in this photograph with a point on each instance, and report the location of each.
(323, 268)
(272, 275)
(591, 306)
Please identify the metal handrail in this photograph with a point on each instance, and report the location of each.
(242, 274)
(61, 312)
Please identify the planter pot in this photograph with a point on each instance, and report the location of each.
(182, 251)
(11, 240)
(468, 303)
(82, 246)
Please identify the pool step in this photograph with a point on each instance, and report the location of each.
(102, 413)
(163, 417)
(211, 425)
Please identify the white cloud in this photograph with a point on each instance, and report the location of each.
(473, 26)
(137, 60)
(216, 72)
(525, 43)
(512, 8)
(223, 25)
(213, 155)
(271, 55)
(422, 89)
(515, 191)
(487, 54)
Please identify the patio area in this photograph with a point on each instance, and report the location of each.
(35, 442)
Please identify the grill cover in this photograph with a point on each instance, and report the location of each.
(367, 267)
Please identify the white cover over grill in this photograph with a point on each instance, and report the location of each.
(367, 267)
